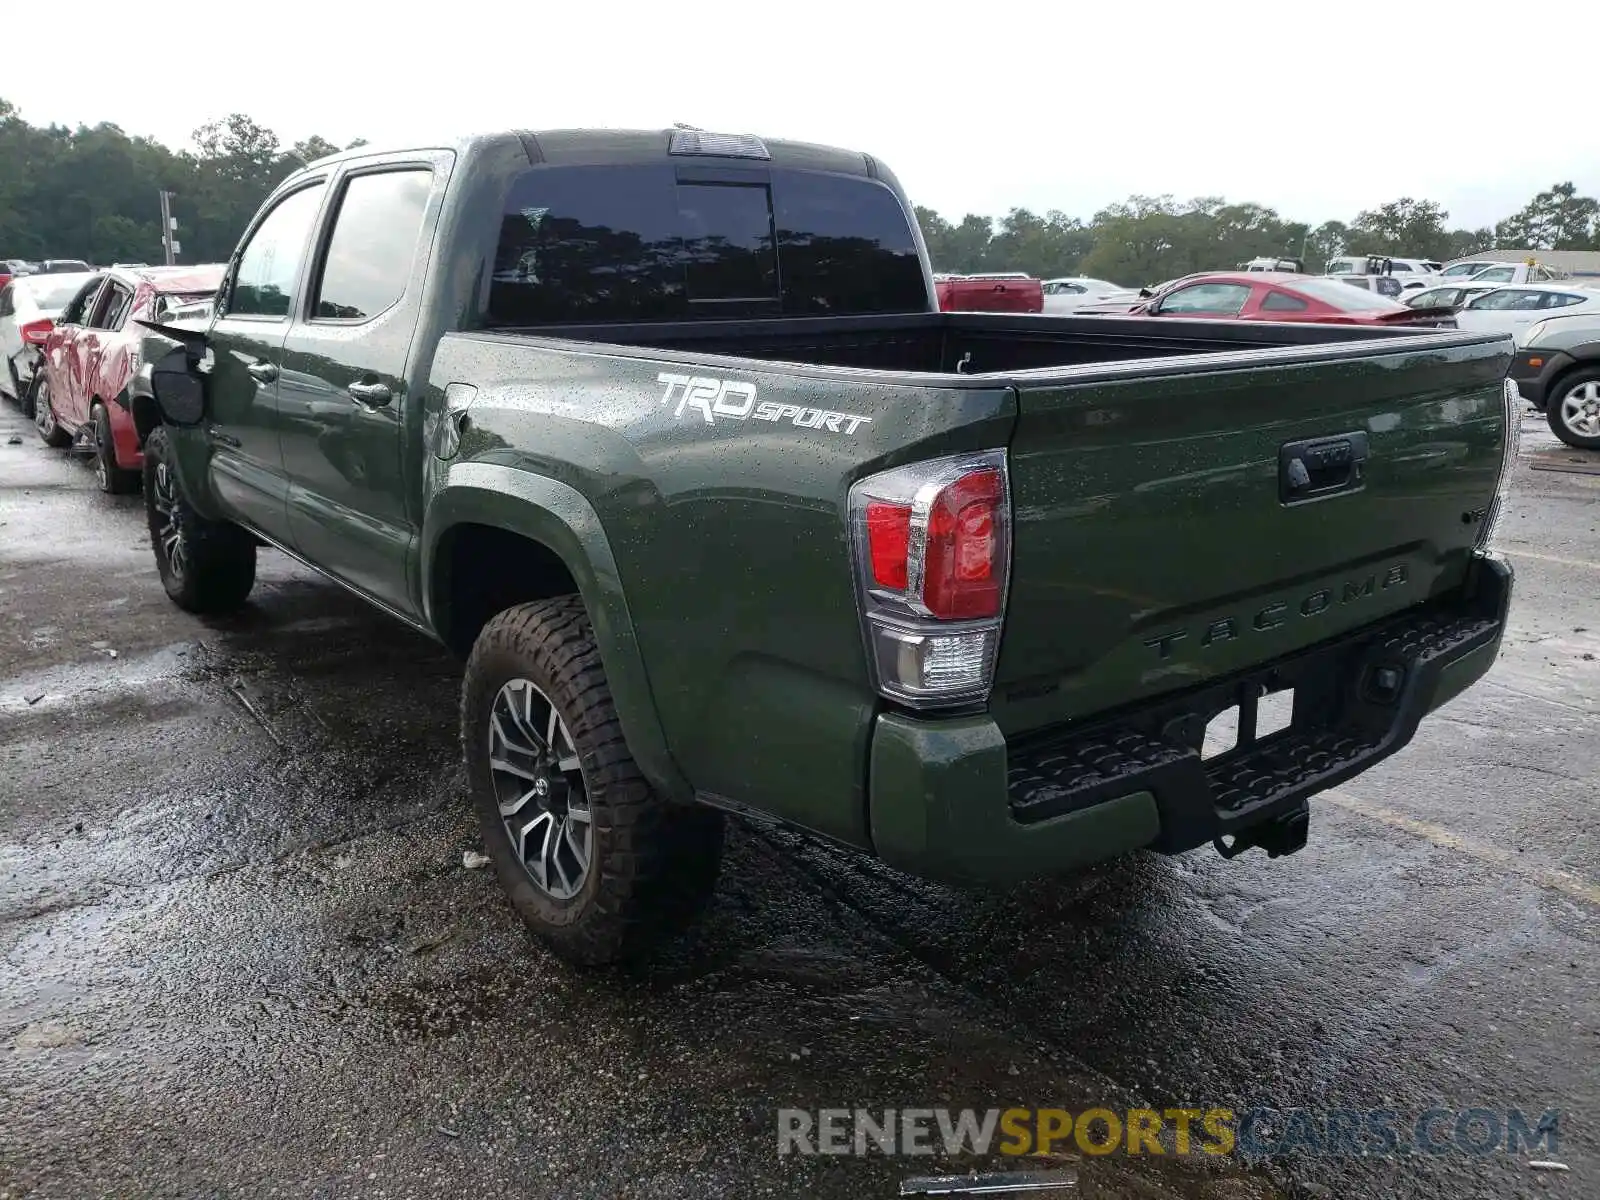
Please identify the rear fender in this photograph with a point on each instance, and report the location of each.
(559, 518)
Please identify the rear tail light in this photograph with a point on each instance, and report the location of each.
(36, 331)
(933, 557)
(1513, 403)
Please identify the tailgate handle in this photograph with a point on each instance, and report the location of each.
(1321, 467)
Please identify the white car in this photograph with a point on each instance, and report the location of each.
(1072, 292)
(29, 305)
(1411, 272)
(1515, 310)
(1466, 270)
(1516, 273)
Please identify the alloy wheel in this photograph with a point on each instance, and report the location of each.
(1580, 409)
(101, 475)
(43, 415)
(539, 786)
(165, 501)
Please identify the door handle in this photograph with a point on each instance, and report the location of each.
(373, 395)
(264, 371)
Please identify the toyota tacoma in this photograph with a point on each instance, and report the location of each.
(663, 433)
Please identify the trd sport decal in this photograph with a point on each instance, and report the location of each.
(733, 400)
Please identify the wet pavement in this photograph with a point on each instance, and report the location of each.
(240, 953)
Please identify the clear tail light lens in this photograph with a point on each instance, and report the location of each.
(933, 558)
(1513, 403)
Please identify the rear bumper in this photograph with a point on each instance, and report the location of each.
(1534, 370)
(952, 800)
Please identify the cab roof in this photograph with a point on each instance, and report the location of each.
(597, 147)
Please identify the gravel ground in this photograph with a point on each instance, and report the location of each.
(242, 955)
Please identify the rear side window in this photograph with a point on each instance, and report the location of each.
(663, 242)
(373, 245)
(1283, 302)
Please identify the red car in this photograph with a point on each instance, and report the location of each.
(989, 293)
(81, 387)
(1278, 296)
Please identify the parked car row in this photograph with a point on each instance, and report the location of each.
(71, 347)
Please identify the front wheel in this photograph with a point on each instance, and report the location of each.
(206, 566)
(601, 867)
(1573, 410)
(44, 416)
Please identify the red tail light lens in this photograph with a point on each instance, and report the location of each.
(933, 552)
(36, 331)
(962, 559)
(889, 543)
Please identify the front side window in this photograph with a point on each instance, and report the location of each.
(1506, 300)
(112, 308)
(263, 284)
(374, 244)
(1224, 299)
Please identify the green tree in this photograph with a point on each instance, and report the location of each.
(1403, 226)
(1555, 219)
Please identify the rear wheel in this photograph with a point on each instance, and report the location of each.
(206, 566)
(118, 481)
(44, 416)
(600, 866)
(1573, 410)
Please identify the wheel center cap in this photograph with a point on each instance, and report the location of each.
(541, 788)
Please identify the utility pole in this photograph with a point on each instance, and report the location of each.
(169, 229)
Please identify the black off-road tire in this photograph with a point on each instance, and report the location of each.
(112, 479)
(206, 566)
(44, 415)
(1556, 400)
(653, 864)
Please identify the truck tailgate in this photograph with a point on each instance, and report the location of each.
(1176, 521)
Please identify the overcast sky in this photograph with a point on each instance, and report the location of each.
(978, 107)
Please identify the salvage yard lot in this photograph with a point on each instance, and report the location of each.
(241, 949)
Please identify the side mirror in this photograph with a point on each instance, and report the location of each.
(179, 391)
(176, 383)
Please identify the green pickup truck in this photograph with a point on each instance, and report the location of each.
(663, 434)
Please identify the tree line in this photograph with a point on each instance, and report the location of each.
(1147, 239)
(94, 193)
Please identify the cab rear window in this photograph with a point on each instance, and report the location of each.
(668, 242)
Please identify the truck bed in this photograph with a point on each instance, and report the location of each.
(1154, 547)
(924, 344)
